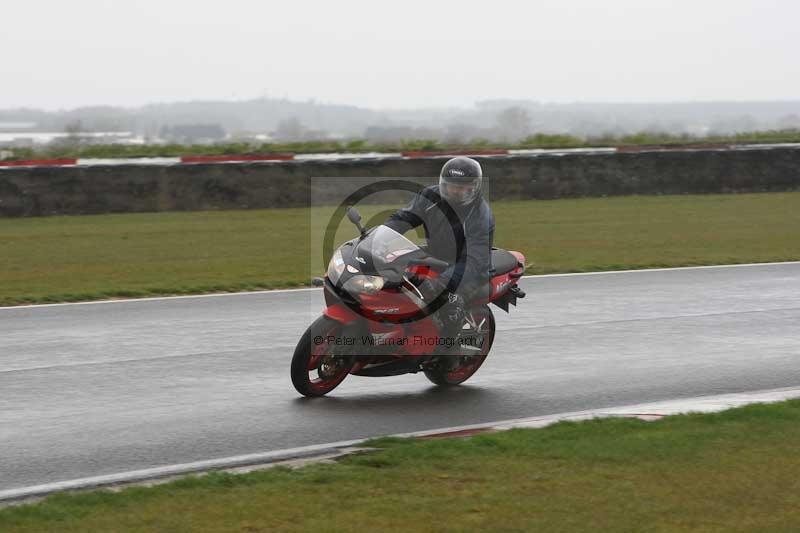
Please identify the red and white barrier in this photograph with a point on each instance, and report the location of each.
(40, 163)
(235, 158)
(454, 153)
(412, 154)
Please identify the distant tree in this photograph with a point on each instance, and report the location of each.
(388, 134)
(789, 122)
(74, 128)
(513, 123)
(194, 133)
(290, 129)
(461, 132)
(734, 124)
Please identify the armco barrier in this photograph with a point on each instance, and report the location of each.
(37, 191)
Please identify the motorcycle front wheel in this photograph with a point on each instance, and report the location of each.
(319, 365)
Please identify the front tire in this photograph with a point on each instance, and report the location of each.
(318, 367)
(481, 325)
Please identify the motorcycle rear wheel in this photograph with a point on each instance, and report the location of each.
(468, 364)
(317, 365)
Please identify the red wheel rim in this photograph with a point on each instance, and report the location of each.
(472, 363)
(324, 381)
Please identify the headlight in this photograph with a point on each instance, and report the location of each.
(364, 284)
(335, 267)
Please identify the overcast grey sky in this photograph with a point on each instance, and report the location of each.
(414, 53)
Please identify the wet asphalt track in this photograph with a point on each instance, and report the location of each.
(104, 388)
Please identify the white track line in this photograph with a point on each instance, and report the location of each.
(605, 272)
(171, 470)
(279, 291)
(159, 298)
(157, 161)
(647, 411)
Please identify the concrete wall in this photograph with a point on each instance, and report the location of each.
(139, 188)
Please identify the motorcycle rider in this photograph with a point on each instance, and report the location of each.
(459, 228)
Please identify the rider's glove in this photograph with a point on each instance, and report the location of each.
(432, 288)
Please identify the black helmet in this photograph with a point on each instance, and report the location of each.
(460, 180)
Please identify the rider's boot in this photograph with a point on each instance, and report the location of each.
(450, 319)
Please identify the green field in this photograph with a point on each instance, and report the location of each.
(733, 471)
(76, 258)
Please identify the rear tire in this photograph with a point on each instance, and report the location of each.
(469, 364)
(317, 368)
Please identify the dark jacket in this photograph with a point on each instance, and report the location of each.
(461, 236)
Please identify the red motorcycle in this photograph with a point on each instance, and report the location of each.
(378, 323)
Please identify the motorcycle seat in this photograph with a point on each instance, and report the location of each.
(503, 262)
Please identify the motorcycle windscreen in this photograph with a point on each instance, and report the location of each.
(384, 249)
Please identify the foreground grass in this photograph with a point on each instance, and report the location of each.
(89, 257)
(733, 471)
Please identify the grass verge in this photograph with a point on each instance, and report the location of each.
(60, 259)
(738, 470)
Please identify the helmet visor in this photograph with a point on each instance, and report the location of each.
(459, 192)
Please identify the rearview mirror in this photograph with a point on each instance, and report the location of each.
(353, 215)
